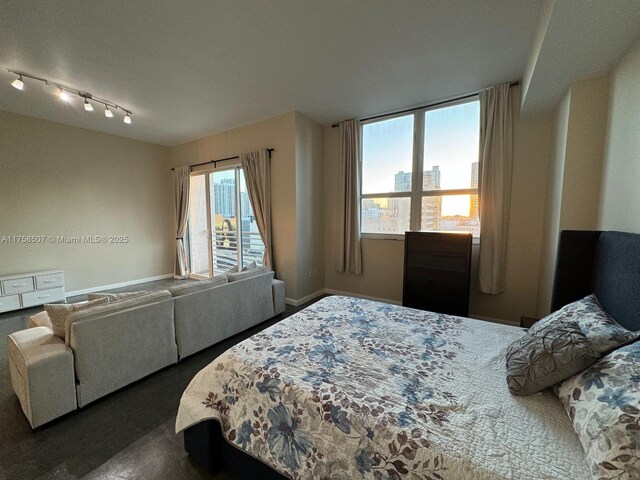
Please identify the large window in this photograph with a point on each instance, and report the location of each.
(223, 233)
(442, 144)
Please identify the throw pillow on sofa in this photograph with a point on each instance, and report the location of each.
(114, 297)
(233, 277)
(58, 313)
(192, 287)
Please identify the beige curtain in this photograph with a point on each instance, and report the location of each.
(349, 255)
(495, 185)
(257, 173)
(181, 178)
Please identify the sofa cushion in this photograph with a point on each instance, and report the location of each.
(198, 286)
(58, 313)
(234, 277)
(114, 297)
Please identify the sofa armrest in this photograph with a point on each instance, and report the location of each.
(42, 374)
(277, 287)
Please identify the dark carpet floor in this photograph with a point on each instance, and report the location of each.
(126, 435)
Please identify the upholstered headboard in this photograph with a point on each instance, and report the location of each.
(604, 263)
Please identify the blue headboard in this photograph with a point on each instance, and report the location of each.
(604, 263)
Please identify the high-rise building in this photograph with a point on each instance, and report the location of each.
(473, 207)
(431, 179)
(224, 193)
(402, 182)
(431, 206)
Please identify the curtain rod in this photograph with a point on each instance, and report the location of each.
(413, 109)
(222, 159)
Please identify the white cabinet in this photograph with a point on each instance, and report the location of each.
(31, 289)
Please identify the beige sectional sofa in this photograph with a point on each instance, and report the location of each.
(109, 346)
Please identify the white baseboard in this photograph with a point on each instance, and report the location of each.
(118, 285)
(311, 296)
(358, 295)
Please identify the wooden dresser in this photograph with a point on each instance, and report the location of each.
(437, 269)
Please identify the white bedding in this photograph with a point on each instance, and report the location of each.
(350, 388)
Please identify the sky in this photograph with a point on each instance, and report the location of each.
(451, 142)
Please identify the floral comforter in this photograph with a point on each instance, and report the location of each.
(351, 388)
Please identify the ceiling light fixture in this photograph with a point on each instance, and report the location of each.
(65, 94)
(18, 83)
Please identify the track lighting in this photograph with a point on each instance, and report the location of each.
(65, 94)
(18, 83)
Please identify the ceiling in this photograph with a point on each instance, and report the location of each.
(576, 40)
(191, 68)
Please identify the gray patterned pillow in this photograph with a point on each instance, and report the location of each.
(603, 403)
(193, 287)
(547, 356)
(58, 313)
(114, 297)
(601, 330)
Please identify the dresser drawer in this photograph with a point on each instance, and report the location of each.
(49, 280)
(17, 285)
(12, 302)
(41, 297)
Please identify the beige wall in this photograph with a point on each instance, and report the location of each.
(383, 259)
(278, 133)
(61, 180)
(309, 205)
(576, 171)
(620, 200)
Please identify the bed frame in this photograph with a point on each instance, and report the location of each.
(604, 263)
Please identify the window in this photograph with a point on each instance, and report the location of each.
(443, 144)
(223, 232)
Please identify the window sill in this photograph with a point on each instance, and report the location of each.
(398, 237)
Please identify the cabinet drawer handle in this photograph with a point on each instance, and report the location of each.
(49, 281)
(44, 296)
(19, 285)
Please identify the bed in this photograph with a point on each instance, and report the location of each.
(350, 388)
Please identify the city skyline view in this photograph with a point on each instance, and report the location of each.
(450, 162)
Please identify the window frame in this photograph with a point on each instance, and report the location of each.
(236, 167)
(416, 194)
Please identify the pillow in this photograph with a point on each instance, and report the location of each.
(601, 330)
(58, 313)
(249, 266)
(40, 320)
(233, 277)
(603, 402)
(192, 287)
(233, 269)
(543, 358)
(114, 297)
